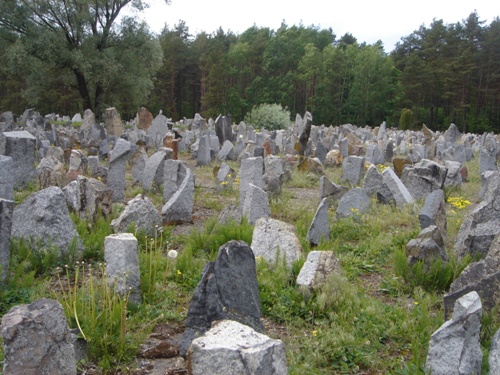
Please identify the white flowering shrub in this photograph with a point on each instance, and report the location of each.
(268, 116)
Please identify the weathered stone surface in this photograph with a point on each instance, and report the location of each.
(113, 122)
(482, 224)
(144, 119)
(117, 164)
(393, 190)
(37, 340)
(274, 240)
(227, 151)
(374, 154)
(6, 212)
(494, 358)
(44, 216)
(51, 172)
(138, 162)
(453, 177)
(427, 248)
(89, 197)
(174, 173)
(6, 177)
(223, 129)
(333, 158)
(434, 212)
(227, 290)
(154, 169)
(122, 265)
(141, 213)
(353, 203)
(179, 208)
(251, 171)
(399, 164)
(204, 155)
(157, 131)
(319, 227)
(330, 190)
(315, 271)
(312, 165)
(482, 276)
(372, 181)
(424, 177)
(20, 146)
(256, 204)
(230, 348)
(454, 348)
(488, 155)
(352, 169)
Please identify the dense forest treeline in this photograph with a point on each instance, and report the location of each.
(66, 58)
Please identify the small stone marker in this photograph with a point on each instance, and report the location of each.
(122, 265)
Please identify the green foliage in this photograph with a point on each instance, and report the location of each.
(437, 276)
(206, 242)
(269, 116)
(406, 120)
(92, 235)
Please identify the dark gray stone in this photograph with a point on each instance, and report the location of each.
(434, 212)
(227, 290)
(20, 146)
(319, 227)
(330, 190)
(6, 212)
(44, 216)
(353, 203)
(6, 177)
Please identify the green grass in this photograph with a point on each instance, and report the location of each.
(376, 317)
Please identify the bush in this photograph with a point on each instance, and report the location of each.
(269, 116)
(406, 119)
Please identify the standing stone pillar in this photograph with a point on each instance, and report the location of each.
(6, 212)
(122, 265)
(117, 163)
(113, 122)
(6, 177)
(20, 145)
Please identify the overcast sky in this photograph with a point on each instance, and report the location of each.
(367, 20)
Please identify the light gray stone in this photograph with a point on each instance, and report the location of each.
(179, 208)
(424, 177)
(20, 146)
(393, 189)
(37, 340)
(274, 240)
(256, 204)
(174, 173)
(227, 151)
(374, 154)
(122, 265)
(230, 348)
(453, 177)
(352, 169)
(141, 213)
(434, 212)
(454, 349)
(353, 203)
(319, 227)
(204, 155)
(428, 247)
(330, 190)
(154, 170)
(372, 180)
(138, 162)
(316, 269)
(251, 171)
(117, 164)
